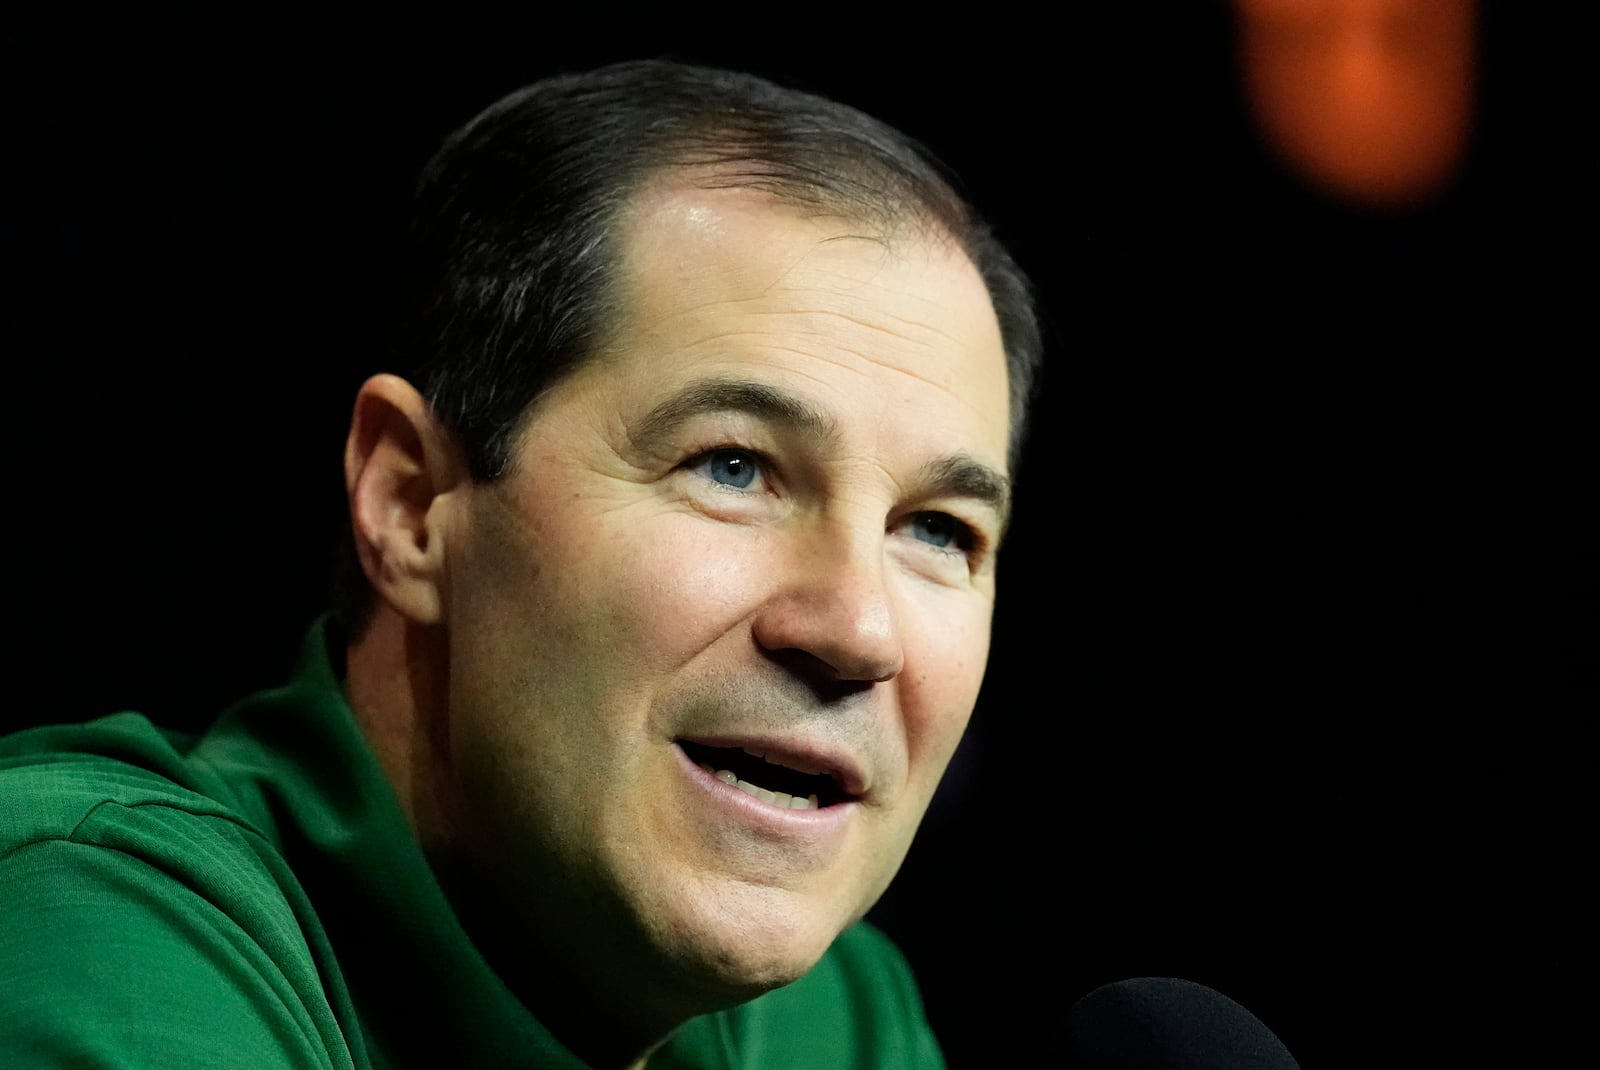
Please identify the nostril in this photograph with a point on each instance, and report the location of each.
(820, 678)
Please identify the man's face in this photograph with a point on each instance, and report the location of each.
(762, 522)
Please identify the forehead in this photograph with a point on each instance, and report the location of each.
(734, 282)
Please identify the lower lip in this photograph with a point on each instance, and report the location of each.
(821, 821)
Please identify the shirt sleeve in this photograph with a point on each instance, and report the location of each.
(110, 959)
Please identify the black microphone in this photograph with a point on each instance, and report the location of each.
(1166, 1023)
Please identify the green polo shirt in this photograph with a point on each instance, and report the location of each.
(253, 897)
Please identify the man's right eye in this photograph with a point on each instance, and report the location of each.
(733, 468)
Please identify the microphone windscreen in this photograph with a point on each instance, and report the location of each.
(1166, 1023)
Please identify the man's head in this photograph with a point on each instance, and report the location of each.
(517, 239)
(684, 586)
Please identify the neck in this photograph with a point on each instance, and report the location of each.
(397, 685)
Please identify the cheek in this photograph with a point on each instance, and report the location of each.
(951, 646)
(667, 589)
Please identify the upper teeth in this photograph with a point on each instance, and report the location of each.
(776, 798)
(799, 765)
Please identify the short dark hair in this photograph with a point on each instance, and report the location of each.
(514, 249)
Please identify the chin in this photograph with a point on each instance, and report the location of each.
(739, 953)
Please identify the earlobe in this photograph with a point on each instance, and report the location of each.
(400, 464)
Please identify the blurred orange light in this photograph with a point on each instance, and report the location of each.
(1371, 99)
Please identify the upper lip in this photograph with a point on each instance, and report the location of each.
(806, 756)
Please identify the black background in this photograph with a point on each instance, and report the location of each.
(1297, 625)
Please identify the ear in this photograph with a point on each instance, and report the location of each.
(400, 463)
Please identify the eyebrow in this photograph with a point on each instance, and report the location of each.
(706, 396)
(958, 475)
(963, 476)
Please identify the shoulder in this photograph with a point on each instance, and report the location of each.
(145, 921)
(55, 776)
(859, 1007)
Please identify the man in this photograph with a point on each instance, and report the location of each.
(677, 552)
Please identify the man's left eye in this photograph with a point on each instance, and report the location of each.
(942, 531)
(732, 468)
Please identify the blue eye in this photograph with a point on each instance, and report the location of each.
(731, 468)
(942, 531)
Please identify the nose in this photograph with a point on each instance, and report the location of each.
(832, 612)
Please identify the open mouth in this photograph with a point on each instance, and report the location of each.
(768, 781)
